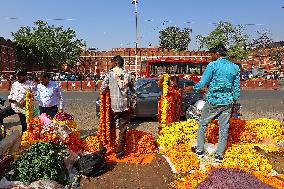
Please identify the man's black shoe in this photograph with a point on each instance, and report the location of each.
(119, 155)
(218, 158)
(199, 153)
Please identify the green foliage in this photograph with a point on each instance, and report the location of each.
(232, 37)
(46, 45)
(277, 57)
(173, 38)
(262, 41)
(42, 160)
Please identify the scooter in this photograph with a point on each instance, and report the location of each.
(2, 128)
(194, 111)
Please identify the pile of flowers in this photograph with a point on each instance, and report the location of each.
(182, 157)
(62, 129)
(138, 144)
(177, 133)
(175, 141)
(244, 156)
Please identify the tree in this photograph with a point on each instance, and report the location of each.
(277, 56)
(48, 46)
(232, 37)
(262, 41)
(173, 38)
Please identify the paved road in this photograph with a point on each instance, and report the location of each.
(250, 99)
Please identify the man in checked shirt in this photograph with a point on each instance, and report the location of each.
(49, 96)
(119, 84)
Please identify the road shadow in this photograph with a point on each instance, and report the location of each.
(136, 122)
(9, 125)
(85, 133)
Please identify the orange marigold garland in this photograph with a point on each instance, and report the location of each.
(106, 134)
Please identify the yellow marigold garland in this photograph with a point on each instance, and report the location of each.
(164, 101)
(29, 107)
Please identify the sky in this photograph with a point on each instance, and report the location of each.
(107, 24)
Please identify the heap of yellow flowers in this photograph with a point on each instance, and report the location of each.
(178, 132)
(267, 128)
(244, 156)
(244, 135)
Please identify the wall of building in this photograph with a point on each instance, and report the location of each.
(100, 61)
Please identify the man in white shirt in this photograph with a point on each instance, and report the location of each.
(17, 97)
(48, 95)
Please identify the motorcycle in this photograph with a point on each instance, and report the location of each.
(194, 111)
(2, 128)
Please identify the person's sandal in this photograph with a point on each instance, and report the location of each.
(199, 153)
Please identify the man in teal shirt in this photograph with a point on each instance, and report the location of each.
(223, 78)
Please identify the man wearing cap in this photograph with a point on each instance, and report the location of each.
(49, 95)
(119, 84)
(17, 97)
(223, 78)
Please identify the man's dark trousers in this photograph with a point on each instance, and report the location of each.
(8, 111)
(51, 111)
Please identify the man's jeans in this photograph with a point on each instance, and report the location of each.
(209, 112)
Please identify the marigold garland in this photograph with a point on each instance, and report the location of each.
(106, 134)
(29, 107)
(163, 104)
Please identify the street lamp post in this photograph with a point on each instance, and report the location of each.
(134, 2)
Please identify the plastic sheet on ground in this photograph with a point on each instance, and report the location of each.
(41, 184)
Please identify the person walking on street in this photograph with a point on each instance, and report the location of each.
(17, 97)
(223, 78)
(118, 81)
(49, 95)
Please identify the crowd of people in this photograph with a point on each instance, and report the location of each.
(56, 76)
(267, 75)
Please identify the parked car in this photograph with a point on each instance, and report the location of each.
(148, 94)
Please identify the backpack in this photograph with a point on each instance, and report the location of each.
(92, 164)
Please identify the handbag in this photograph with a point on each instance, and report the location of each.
(92, 164)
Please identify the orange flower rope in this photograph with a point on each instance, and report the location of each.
(106, 134)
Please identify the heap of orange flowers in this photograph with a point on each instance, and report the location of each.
(192, 180)
(138, 144)
(236, 131)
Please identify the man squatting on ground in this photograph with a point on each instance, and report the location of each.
(48, 93)
(17, 97)
(119, 83)
(223, 78)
